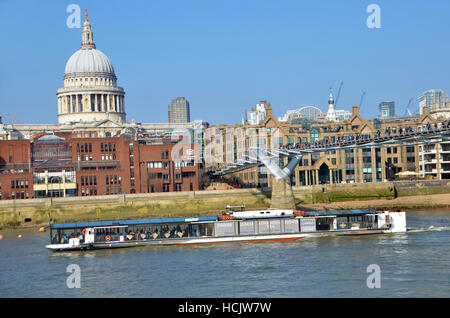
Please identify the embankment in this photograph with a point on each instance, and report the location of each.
(383, 195)
(31, 212)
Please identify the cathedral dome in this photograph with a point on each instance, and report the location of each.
(89, 60)
(90, 92)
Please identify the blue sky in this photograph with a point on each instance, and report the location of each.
(225, 56)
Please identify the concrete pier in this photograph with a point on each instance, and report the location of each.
(282, 194)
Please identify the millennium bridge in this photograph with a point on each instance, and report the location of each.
(282, 195)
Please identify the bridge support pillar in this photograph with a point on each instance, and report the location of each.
(282, 194)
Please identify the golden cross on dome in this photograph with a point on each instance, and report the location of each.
(85, 14)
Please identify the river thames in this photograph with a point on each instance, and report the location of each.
(415, 264)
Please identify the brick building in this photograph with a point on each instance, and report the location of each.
(82, 164)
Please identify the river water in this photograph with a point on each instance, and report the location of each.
(415, 264)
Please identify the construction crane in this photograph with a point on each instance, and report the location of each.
(361, 101)
(15, 121)
(338, 94)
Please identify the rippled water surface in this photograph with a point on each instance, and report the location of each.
(415, 264)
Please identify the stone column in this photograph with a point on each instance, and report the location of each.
(306, 177)
(331, 176)
(317, 176)
(108, 102)
(103, 102)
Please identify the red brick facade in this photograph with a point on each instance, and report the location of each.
(98, 166)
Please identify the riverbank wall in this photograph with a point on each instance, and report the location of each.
(15, 213)
(37, 212)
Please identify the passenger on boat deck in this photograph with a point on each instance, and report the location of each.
(142, 235)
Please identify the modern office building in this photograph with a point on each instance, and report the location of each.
(433, 99)
(437, 102)
(179, 111)
(386, 109)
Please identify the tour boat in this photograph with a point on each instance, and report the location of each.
(233, 226)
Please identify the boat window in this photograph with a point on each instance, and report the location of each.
(109, 234)
(201, 229)
(246, 227)
(323, 224)
(62, 236)
(156, 231)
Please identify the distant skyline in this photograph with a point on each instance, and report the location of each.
(225, 57)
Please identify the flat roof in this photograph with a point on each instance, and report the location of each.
(340, 212)
(132, 222)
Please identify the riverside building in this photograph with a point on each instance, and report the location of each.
(65, 164)
(226, 144)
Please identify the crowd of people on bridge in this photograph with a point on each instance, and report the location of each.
(389, 133)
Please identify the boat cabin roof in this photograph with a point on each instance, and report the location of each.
(341, 212)
(131, 222)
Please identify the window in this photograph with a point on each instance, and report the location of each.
(314, 134)
(154, 164)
